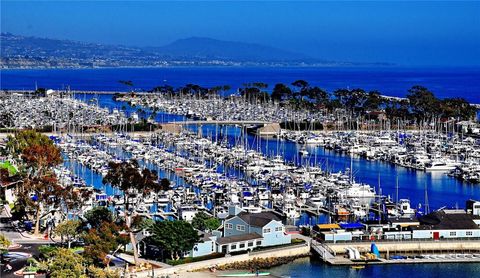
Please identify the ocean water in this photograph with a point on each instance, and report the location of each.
(393, 81)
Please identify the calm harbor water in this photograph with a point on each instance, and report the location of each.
(312, 267)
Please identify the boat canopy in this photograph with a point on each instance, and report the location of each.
(351, 225)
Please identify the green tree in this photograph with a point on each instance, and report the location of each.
(66, 264)
(68, 230)
(397, 109)
(46, 252)
(423, 103)
(373, 101)
(212, 223)
(318, 95)
(302, 88)
(175, 237)
(254, 92)
(141, 223)
(457, 108)
(203, 221)
(99, 242)
(281, 92)
(97, 215)
(23, 139)
(164, 184)
(4, 243)
(351, 99)
(39, 194)
(96, 272)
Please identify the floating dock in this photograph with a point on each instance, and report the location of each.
(405, 252)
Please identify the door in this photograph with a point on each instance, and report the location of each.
(436, 235)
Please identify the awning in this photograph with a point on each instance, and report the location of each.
(404, 225)
(328, 226)
(351, 225)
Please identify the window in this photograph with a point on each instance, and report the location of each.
(453, 233)
(259, 243)
(469, 233)
(241, 228)
(266, 231)
(242, 245)
(233, 246)
(229, 226)
(278, 229)
(250, 244)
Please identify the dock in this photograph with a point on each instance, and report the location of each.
(316, 211)
(410, 251)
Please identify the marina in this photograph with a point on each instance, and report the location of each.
(310, 180)
(289, 174)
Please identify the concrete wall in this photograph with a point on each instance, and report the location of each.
(274, 253)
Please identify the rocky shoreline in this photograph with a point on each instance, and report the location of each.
(258, 263)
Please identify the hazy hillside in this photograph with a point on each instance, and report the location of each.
(32, 52)
(207, 48)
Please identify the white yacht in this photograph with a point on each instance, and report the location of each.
(438, 165)
(405, 208)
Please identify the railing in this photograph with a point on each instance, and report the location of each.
(320, 246)
(404, 240)
(328, 248)
(278, 248)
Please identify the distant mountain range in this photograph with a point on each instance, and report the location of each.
(207, 48)
(33, 52)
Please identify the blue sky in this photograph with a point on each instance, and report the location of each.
(405, 33)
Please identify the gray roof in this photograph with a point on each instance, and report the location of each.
(258, 219)
(238, 238)
(447, 220)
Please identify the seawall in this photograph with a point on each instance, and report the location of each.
(291, 251)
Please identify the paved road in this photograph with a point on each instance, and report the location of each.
(28, 245)
(18, 262)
